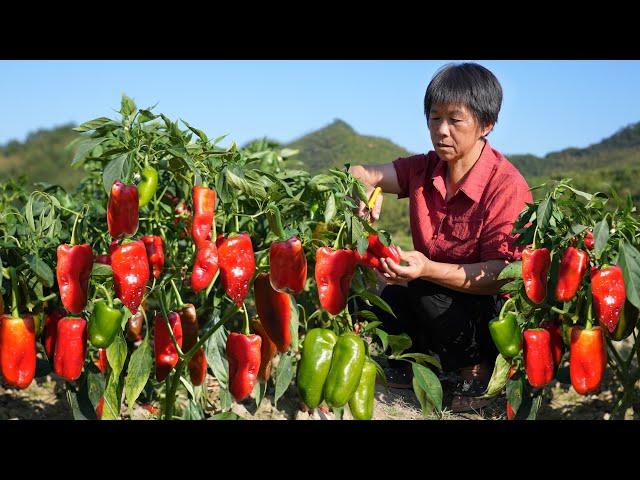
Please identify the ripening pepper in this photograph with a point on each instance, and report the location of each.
(130, 273)
(287, 266)
(71, 348)
(573, 266)
(73, 270)
(122, 210)
(166, 354)
(100, 408)
(104, 324)
(588, 358)
(103, 361)
(243, 354)
(204, 204)
(104, 259)
(205, 266)
(609, 295)
(268, 350)
(315, 363)
(535, 268)
(17, 349)
(237, 265)
(333, 272)
(505, 332)
(274, 310)
(155, 253)
(555, 336)
(538, 359)
(346, 368)
(135, 322)
(589, 243)
(361, 402)
(375, 251)
(198, 363)
(626, 323)
(148, 186)
(50, 331)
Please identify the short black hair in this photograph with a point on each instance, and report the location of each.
(471, 85)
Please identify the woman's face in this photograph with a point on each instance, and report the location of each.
(454, 130)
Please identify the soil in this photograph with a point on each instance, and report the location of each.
(45, 399)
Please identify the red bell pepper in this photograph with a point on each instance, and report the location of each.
(155, 253)
(204, 204)
(287, 266)
(166, 354)
(376, 251)
(538, 359)
(17, 349)
(588, 358)
(122, 210)
(103, 362)
(237, 265)
(243, 354)
(333, 272)
(104, 259)
(274, 310)
(268, 350)
(572, 269)
(609, 295)
(73, 270)
(198, 363)
(555, 335)
(71, 348)
(205, 267)
(130, 273)
(589, 243)
(50, 331)
(535, 268)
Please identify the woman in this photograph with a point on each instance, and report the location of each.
(464, 197)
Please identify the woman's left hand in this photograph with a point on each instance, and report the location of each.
(418, 266)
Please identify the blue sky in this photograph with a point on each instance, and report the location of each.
(547, 106)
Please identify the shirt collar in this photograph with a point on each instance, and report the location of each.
(475, 182)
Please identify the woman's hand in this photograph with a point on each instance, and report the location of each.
(418, 267)
(363, 210)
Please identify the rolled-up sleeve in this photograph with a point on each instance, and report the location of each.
(497, 242)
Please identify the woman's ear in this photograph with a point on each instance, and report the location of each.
(487, 130)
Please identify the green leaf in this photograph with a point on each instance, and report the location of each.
(601, 236)
(371, 325)
(140, 366)
(198, 132)
(101, 270)
(423, 358)
(421, 394)
(629, 261)
(259, 390)
(376, 300)
(512, 287)
(544, 213)
(117, 354)
(362, 193)
(284, 374)
(188, 387)
(515, 388)
(215, 348)
(80, 406)
(362, 245)
(428, 381)
(370, 317)
(226, 416)
(41, 269)
(127, 105)
(84, 149)
(92, 124)
(499, 377)
(399, 343)
(294, 323)
(113, 172)
(225, 398)
(588, 196)
(528, 409)
(95, 387)
(383, 338)
(146, 116)
(330, 210)
(513, 270)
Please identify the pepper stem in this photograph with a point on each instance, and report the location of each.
(275, 221)
(337, 243)
(108, 295)
(589, 310)
(246, 320)
(177, 294)
(73, 230)
(15, 312)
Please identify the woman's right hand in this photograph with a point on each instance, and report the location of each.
(363, 210)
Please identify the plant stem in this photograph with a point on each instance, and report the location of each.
(246, 320)
(177, 294)
(165, 316)
(15, 311)
(336, 244)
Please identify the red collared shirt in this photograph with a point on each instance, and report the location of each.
(475, 224)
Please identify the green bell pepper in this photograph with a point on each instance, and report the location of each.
(104, 324)
(626, 323)
(346, 369)
(505, 332)
(361, 403)
(315, 362)
(148, 186)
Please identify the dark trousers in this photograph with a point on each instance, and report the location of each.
(440, 320)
